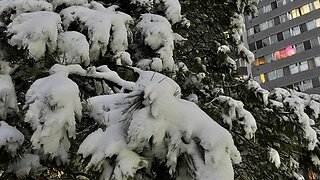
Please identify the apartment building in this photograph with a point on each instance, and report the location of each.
(285, 39)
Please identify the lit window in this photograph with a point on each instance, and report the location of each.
(290, 51)
(311, 25)
(296, 31)
(283, 53)
(305, 9)
(263, 78)
(318, 22)
(276, 55)
(295, 13)
(316, 4)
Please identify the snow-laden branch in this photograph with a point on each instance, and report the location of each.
(153, 121)
(35, 31)
(10, 138)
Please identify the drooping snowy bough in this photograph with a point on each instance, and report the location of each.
(152, 123)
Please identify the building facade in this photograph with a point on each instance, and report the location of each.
(285, 39)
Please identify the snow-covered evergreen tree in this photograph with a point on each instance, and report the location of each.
(81, 96)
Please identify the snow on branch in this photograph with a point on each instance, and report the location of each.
(10, 138)
(8, 98)
(154, 122)
(17, 7)
(99, 23)
(53, 104)
(35, 31)
(233, 110)
(73, 48)
(158, 34)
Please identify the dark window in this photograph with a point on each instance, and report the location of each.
(307, 45)
(274, 5)
(276, 20)
(256, 29)
(314, 42)
(315, 82)
(259, 44)
(286, 71)
(303, 27)
(280, 36)
(252, 46)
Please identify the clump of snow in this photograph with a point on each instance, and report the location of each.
(57, 3)
(233, 110)
(100, 22)
(29, 164)
(10, 138)
(159, 36)
(315, 160)
(36, 31)
(274, 157)
(258, 91)
(123, 58)
(154, 122)
(224, 49)
(53, 104)
(74, 48)
(17, 7)
(298, 176)
(8, 98)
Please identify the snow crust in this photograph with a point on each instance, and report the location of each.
(35, 31)
(53, 104)
(10, 138)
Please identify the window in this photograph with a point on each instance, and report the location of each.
(252, 46)
(276, 55)
(290, 51)
(276, 20)
(279, 37)
(294, 68)
(268, 58)
(318, 22)
(250, 31)
(295, 13)
(298, 67)
(263, 26)
(263, 78)
(296, 31)
(270, 23)
(259, 44)
(259, 61)
(316, 4)
(304, 66)
(257, 78)
(283, 53)
(283, 17)
(256, 29)
(299, 47)
(311, 25)
(307, 45)
(286, 34)
(274, 5)
(267, 8)
(275, 74)
(274, 39)
(305, 9)
(314, 42)
(303, 28)
(281, 2)
(249, 17)
(317, 61)
(304, 85)
(265, 42)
